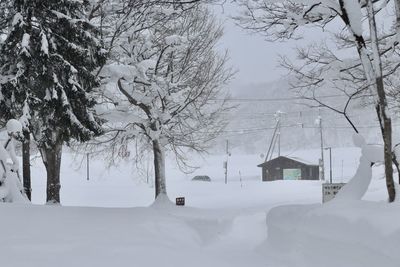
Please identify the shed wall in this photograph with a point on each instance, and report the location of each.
(274, 169)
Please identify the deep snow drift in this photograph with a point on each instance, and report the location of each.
(352, 233)
(343, 232)
(243, 223)
(71, 236)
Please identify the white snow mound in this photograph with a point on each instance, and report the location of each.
(353, 233)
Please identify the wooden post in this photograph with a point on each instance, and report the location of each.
(87, 166)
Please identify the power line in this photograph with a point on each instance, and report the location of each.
(260, 116)
(273, 99)
(303, 112)
(255, 130)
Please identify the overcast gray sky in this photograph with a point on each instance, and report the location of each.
(253, 57)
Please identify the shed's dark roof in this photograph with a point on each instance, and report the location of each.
(288, 158)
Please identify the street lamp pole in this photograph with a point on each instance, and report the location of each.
(330, 163)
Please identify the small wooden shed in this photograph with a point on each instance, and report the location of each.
(285, 168)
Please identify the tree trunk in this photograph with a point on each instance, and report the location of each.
(52, 161)
(26, 164)
(397, 8)
(388, 159)
(159, 168)
(381, 106)
(386, 129)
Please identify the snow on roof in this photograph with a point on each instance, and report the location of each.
(302, 160)
(298, 159)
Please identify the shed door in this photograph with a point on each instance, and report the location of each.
(291, 174)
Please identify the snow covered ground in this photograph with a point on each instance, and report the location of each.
(122, 186)
(222, 225)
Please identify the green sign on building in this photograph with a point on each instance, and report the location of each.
(291, 174)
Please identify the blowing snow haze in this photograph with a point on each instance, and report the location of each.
(261, 87)
(137, 145)
(253, 121)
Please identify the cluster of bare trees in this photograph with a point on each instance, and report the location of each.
(136, 71)
(363, 65)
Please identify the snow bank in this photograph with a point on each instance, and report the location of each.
(11, 189)
(356, 188)
(354, 233)
(170, 237)
(343, 232)
(229, 230)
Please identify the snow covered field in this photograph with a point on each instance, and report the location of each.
(122, 186)
(222, 225)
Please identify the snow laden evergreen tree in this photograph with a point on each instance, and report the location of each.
(47, 62)
(165, 92)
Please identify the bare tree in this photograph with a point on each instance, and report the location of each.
(376, 49)
(161, 93)
(117, 18)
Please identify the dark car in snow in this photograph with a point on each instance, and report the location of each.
(203, 178)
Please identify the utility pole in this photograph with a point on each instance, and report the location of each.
(279, 140)
(342, 173)
(276, 137)
(272, 144)
(87, 166)
(226, 162)
(330, 163)
(321, 163)
(278, 115)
